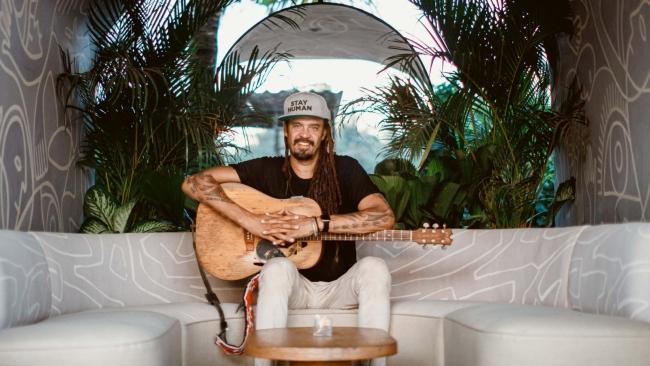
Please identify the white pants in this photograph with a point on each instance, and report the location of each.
(367, 284)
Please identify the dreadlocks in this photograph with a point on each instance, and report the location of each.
(324, 187)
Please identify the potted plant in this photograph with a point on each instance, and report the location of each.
(152, 110)
(491, 129)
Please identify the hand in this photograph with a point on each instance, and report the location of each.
(281, 227)
(303, 226)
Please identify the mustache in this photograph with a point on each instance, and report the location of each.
(296, 141)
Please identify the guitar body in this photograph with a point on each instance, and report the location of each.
(227, 251)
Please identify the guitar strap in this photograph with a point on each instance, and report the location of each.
(249, 318)
(213, 299)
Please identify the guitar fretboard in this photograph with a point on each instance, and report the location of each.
(385, 235)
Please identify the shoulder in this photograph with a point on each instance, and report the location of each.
(263, 161)
(348, 165)
(267, 159)
(345, 160)
(257, 168)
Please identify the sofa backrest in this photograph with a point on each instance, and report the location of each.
(610, 271)
(25, 290)
(522, 266)
(113, 270)
(599, 269)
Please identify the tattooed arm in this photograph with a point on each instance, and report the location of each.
(374, 214)
(205, 187)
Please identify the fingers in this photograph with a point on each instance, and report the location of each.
(285, 213)
(277, 238)
(283, 226)
(279, 220)
(273, 218)
(280, 213)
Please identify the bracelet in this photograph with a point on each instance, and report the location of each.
(326, 222)
(314, 226)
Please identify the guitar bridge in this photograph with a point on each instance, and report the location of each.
(249, 240)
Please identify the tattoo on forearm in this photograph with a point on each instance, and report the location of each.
(364, 220)
(208, 187)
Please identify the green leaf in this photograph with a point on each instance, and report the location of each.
(566, 191)
(402, 202)
(396, 192)
(162, 190)
(152, 226)
(395, 166)
(93, 226)
(443, 200)
(121, 217)
(98, 204)
(421, 191)
(429, 145)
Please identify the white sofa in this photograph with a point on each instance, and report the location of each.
(561, 296)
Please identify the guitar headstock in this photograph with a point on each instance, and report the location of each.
(434, 235)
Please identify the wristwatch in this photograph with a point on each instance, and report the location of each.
(325, 218)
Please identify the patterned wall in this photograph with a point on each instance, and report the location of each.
(40, 186)
(610, 55)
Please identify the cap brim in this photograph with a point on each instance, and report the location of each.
(285, 117)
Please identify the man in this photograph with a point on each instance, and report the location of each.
(350, 204)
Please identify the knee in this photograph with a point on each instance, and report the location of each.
(373, 270)
(278, 271)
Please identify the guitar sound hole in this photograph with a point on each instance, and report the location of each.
(266, 250)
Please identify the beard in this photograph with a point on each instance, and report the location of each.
(301, 154)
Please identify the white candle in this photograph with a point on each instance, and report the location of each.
(322, 326)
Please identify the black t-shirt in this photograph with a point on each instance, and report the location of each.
(265, 174)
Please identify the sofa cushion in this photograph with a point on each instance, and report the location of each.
(416, 325)
(25, 289)
(99, 338)
(200, 322)
(504, 335)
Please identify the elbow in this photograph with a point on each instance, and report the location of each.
(185, 187)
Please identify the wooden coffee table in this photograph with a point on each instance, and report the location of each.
(299, 346)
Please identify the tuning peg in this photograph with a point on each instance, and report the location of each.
(426, 225)
(435, 226)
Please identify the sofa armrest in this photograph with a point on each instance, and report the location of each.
(25, 292)
(610, 271)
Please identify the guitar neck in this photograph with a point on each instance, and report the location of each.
(384, 235)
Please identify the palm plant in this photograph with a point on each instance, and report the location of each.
(150, 107)
(497, 100)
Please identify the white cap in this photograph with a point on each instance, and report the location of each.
(305, 104)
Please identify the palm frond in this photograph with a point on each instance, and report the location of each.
(148, 102)
(497, 100)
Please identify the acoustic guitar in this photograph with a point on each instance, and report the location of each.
(227, 251)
